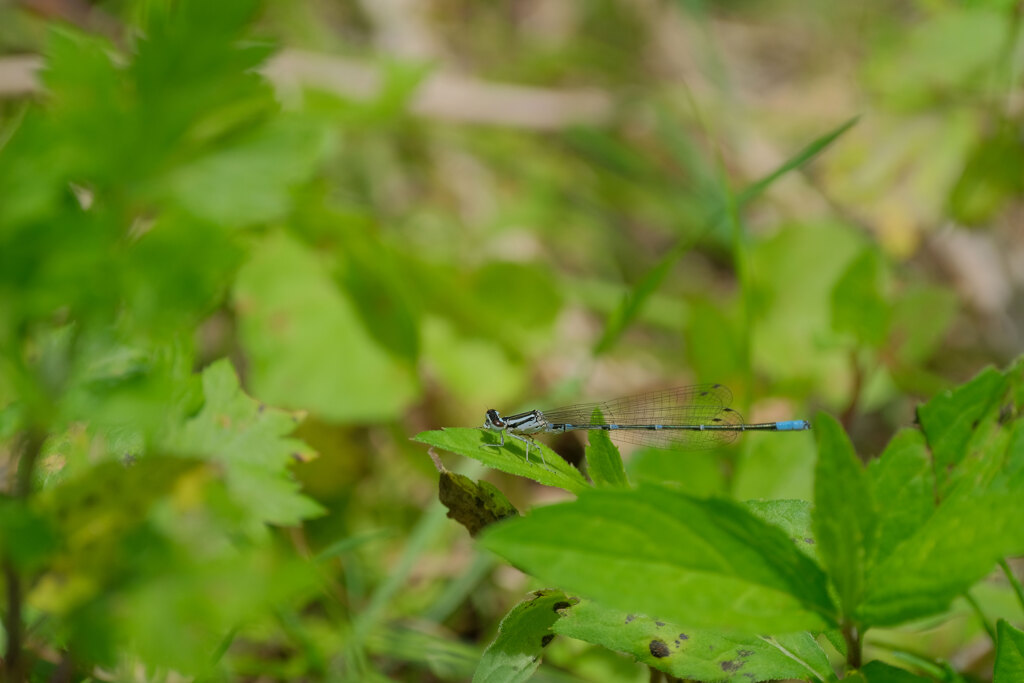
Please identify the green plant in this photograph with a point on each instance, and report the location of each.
(717, 589)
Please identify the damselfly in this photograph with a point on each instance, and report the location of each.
(688, 418)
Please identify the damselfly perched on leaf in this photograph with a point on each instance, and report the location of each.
(687, 418)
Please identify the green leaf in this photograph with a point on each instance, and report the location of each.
(880, 672)
(844, 519)
(306, 345)
(28, 538)
(793, 517)
(992, 176)
(696, 653)
(251, 441)
(859, 307)
(250, 181)
(474, 505)
(604, 462)
(949, 420)
(696, 562)
(903, 487)
(554, 471)
(523, 634)
(1009, 654)
(974, 526)
(948, 51)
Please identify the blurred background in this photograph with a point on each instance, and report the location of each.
(392, 215)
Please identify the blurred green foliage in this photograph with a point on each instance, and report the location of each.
(236, 279)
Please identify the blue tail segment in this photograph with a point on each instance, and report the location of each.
(792, 425)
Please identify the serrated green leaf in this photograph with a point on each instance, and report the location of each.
(1009, 654)
(474, 505)
(844, 517)
(251, 441)
(306, 345)
(554, 471)
(708, 563)
(604, 462)
(949, 420)
(903, 488)
(974, 526)
(523, 634)
(859, 307)
(697, 653)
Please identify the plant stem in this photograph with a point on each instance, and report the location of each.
(14, 663)
(1014, 581)
(854, 642)
(989, 629)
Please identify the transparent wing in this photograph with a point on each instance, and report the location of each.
(694, 405)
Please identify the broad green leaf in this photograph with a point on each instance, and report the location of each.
(250, 181)
(697, 654)
(903, 488)
(859, 307)
(793, 517)
(1009, 654)
(949, 421)
(921, 315)
(973, 527)
(993, 175)
(251, 441)
(522, 636)
(473, 443)
(708, 563)
(844, 518)
(306, 345)
(946, 52)
(474, 505)
(698, 473)
(28, 538)
(604, 463)
(880, 672)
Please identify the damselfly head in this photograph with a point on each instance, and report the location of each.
(493, 420)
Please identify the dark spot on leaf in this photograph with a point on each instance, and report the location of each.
(630, 617)
(731, 665)
(263, 406)
(974, 424)
(744, 653)
(659, 649)
(297, 457)
(659, 624)
(561, 605)
(809, 541)
(546, 639)
(683, 636)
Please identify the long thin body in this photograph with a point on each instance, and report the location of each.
(758, 426)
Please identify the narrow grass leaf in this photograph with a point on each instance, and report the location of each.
(844, 519)
(697, 654)
(703, 563)
(511, 458)
(1009, 654)
(634, 301)
(523, 634)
